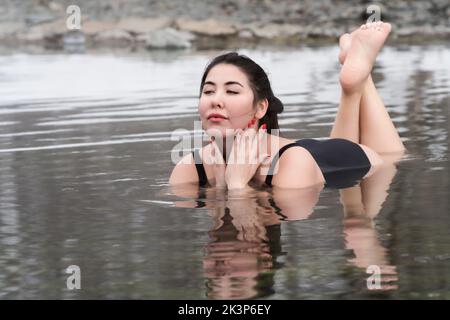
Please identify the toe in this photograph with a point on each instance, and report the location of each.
(378, 25)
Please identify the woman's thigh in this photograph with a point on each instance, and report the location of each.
(374, 158)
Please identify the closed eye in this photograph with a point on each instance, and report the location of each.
(232, 92)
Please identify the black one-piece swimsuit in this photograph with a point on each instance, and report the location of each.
(343, 163)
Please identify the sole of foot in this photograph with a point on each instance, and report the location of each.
(358, 53)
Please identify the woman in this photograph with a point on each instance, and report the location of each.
(237, 101)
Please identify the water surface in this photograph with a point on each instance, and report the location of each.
(85, 157)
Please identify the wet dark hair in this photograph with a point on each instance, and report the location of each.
(259, 83)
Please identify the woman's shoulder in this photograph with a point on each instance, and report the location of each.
(184, 171)
(295, 168)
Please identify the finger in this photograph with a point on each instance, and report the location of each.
(207, 153)
(240, 150)
(251, 127)
(245, 148)
(218, 158)
(246, 138)
(264, 160)
(232, 156)
(254, 150)
(262, 140)
(240, 147)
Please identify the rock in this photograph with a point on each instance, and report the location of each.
(208, 27)
(245, 34)
(39, 18)
(11, 28)
(442, 30)
(51, 32)
(424, 30)
(328, 32)
(273, 31)
(167, 38)
(50, 28)
(56, 7)
(94, 27)
(138, 25)
(74, 42)
(74, 38)
(228, 22)
(114, 36)
(407, 31)
(30, 37)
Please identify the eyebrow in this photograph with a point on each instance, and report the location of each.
(226, 83)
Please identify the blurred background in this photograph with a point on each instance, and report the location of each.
(211, 24)
(87, 121)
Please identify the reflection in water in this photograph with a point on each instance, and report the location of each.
(241, 257)
(85, 157)
(362, 203)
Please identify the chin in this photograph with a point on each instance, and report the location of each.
(217, 130)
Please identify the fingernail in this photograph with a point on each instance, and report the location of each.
(264, 126)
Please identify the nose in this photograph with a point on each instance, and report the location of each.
(217, 101)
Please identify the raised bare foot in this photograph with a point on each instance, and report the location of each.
(359, 58)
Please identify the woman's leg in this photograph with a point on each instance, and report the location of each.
(361, 204)
(346, 123)
(377, 130)
(374, 127)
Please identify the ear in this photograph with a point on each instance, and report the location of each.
(261, 108)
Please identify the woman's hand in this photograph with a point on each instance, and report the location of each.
(219, 166)
(248, 152)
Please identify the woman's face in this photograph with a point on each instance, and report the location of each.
(227, 94)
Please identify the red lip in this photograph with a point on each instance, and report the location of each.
(216, 115)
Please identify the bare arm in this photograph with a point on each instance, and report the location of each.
(184, 172)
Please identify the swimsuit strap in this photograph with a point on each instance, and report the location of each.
(202, 178)
(275, 159)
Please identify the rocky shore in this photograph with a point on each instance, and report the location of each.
(178, 24)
